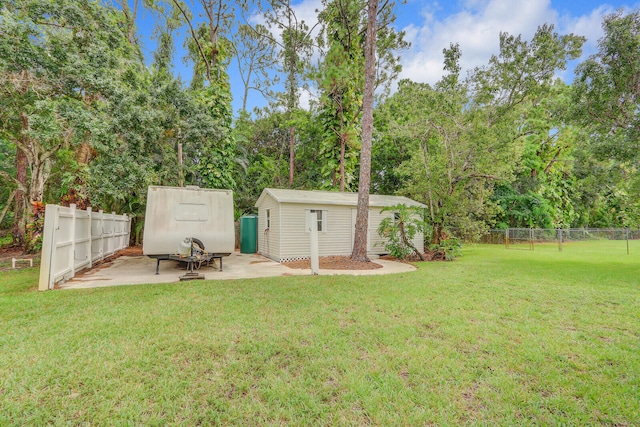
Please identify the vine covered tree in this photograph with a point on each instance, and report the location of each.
(340, 78)
(210, 49)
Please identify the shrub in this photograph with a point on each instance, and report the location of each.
(400, 230)
(447, 250)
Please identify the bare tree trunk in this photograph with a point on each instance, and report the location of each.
(436, 234)
(40, 171)
(8, 205)
(180, 170)
(77, 192)
(245, 96)
(291, 60)
(359, 252)
(407, 242)
(342, 150)
(292, 132)
(194, 36)
(84, 154)
(38, 161)
(132, 25)
(130, 17)
(20, 205)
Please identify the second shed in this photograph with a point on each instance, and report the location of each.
(283, 222)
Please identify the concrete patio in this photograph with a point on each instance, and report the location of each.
(136, 270)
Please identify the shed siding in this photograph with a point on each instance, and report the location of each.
(296, 241)
(376, 243)
(418, 241)
(269, 241)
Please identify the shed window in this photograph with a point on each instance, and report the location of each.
(268, 220)
(322, 220)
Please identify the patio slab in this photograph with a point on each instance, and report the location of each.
(137, 270)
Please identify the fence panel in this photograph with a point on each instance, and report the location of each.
(74, 239)
(528, 238)
(97, 254)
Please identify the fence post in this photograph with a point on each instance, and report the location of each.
(127, 231)
(48, 247)
(72, 206)
(559, 234)
(90, 250)
(114, 221)
(506, 238)
(101, 212)
(627, 237)
(112, 246)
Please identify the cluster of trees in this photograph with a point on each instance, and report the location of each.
(85, 119)
(505, 145)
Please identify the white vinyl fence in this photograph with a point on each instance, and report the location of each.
(74, 239)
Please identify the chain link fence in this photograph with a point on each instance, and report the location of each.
(528, 238)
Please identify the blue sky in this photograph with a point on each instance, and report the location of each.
(431, 26)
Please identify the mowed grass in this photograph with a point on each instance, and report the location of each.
(498, 337)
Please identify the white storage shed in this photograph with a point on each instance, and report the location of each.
(283, 221)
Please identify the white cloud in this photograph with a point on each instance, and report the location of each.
(305, 10)
(589, 26)
(476, 29)
(305, 98)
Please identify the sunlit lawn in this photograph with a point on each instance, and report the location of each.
(498, 337)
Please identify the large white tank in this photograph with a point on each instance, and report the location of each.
(176, 213)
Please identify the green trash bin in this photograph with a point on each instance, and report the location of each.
(249, 234)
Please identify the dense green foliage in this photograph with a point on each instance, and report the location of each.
(499, 337)
(340, 79)
(85, 119)
(93, 123)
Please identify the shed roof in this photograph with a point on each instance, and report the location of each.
(318, 197)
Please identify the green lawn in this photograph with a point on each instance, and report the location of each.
(498, 337)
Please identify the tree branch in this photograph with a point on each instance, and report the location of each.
(195, 38)
(8, 177)
(553, 160)
(6, 208)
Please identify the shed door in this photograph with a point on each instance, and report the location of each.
(354, 214)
